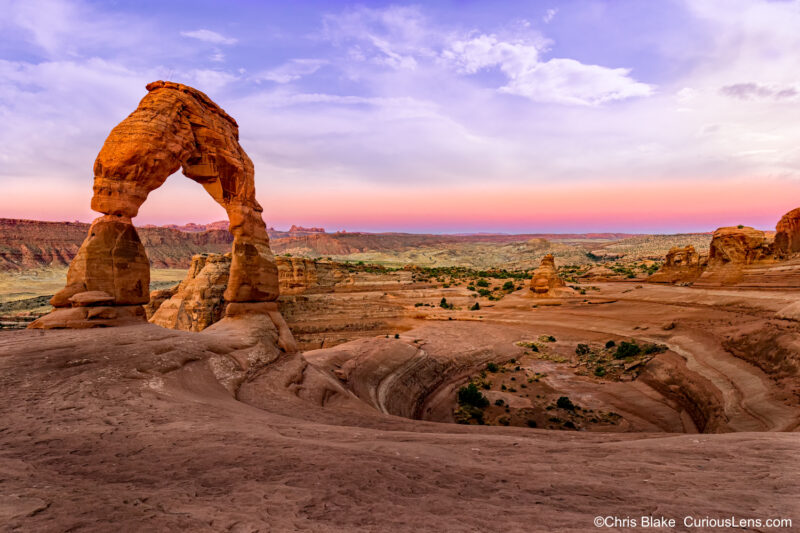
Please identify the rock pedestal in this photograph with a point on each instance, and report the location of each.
(545, 280)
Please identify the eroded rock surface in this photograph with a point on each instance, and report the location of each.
(682, 264)
(545, 280)
(787, 234)
(737, 245)
(198, 300)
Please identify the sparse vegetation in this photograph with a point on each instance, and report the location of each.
(564, 402)
(627, 349)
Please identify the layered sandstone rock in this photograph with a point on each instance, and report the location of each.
(174, 127)
(787, 234)
(682, 264)
(738, 245)
(545, 280)
(198, 300)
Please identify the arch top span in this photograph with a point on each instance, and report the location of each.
(175, 127)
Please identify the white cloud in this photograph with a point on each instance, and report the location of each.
(564, 81)
(292, 70)
(549, 15)
(209, 36)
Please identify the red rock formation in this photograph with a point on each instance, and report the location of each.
(545, 280)
(682, 264)
(738, 245)
(787, 234)
(174, 127)
(198, 300)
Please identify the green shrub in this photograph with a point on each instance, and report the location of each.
(396, 335)
(599, 371)
(627, 349)
(504, 420)
(610, 344)
(499, 402)
(565, 403)
(484, 292)
(531, 423)
(492, 367)
(470, 287)
(475, 307)
(508, 286)
(583, 349)
(470, 395)
(482, 283)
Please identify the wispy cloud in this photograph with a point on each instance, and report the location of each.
(549, 15)
(755, 91)
(292, 70)
(209, 36)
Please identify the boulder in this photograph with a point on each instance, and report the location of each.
(738, 245)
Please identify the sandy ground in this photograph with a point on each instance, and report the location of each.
(137, 428)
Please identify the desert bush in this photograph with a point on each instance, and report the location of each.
(583, 349)
(499, 402)
(599, 371)
(508, 286)
(484, 292)
(492, 367)
(565, 403)
(627, 349)
(610, 344)
(470, 395)
(482, 283)
(475, 307)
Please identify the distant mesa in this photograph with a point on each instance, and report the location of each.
(174, 127)
(301, 229)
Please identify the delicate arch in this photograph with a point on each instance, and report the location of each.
(174, 127)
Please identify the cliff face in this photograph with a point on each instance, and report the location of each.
(26, 244)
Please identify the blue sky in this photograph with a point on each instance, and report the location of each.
(436, 116)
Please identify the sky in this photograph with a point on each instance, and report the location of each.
(452, 116)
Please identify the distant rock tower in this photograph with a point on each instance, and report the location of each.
(545, 281)
(175, 127)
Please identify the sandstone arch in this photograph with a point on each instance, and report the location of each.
(174, 127)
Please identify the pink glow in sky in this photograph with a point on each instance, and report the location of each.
(675, 206)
